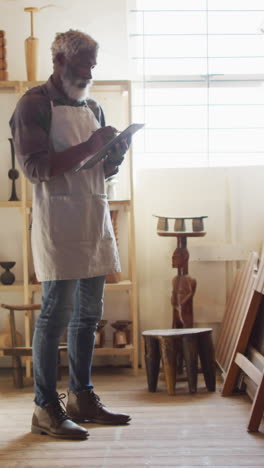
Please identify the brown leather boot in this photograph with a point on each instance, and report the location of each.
(53, 420)
(86, 406)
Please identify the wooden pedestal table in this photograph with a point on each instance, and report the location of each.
(163, 344)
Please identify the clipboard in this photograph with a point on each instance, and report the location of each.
(101, 154)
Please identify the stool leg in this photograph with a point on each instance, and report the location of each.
(17, 372)
(190, 352)
(152, 361)
(207, 358)
(169, 360)
(179, 353)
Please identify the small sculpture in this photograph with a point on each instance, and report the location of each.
(121, 336)
(7, 277)
(13, 173)
(100, 334)
(183, 289)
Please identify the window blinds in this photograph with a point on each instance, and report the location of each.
(198, 82)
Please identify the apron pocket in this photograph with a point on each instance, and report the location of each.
(82, 220)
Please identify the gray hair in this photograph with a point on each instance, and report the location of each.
(71, 42)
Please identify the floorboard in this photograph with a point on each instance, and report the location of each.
(201, 430)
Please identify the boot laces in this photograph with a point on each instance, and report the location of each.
(96, 400)
(59, 407)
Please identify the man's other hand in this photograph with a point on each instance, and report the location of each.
(101, 137)
(116, 153)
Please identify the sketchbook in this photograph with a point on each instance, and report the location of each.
(101, 154)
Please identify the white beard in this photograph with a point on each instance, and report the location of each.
(72, 90)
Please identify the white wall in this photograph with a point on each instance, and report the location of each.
(232, 198)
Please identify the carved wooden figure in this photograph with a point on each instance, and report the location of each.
(183, 288)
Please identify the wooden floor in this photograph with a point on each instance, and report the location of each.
(166, 431)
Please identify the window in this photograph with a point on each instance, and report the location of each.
(198, 82)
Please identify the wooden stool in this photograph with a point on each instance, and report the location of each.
(163, 344)
(16, 352)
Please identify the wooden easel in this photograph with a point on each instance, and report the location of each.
(240, 362)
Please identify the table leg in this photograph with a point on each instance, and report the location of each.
(190, 352)
(152, 361)
(169, 360)
(207, 358)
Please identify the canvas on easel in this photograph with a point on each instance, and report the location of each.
(239, 360)
(236, 310)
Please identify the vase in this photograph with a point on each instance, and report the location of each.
(100, 334)
(121, 337)
(7, 277)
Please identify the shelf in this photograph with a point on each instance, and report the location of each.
(15, 287)
(125, 285)
(34, 288)
(98, 85)
(112, 203)
(127, 351)
(10, 204)
(7, 86)
(117, 203)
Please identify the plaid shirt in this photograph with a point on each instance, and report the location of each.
(30, 126)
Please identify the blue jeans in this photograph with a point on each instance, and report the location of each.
(78, 305)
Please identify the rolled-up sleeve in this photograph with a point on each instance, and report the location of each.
(30, 131)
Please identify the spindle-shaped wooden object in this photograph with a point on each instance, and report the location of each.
(31, 48)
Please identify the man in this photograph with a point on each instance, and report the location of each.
(56, 126)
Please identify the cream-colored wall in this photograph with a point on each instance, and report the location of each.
(104, 20)
(232, 198)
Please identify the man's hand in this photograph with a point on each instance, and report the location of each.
(101, 137)
(115, 157)
(116, 154)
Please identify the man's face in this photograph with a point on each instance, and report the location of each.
(76, 75)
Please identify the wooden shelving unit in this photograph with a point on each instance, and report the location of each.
(27, 289)
(10, 204)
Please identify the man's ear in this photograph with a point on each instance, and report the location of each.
(60, 59)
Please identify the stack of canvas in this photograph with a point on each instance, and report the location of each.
(3, 62)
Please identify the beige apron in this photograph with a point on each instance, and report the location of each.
(72, 234)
